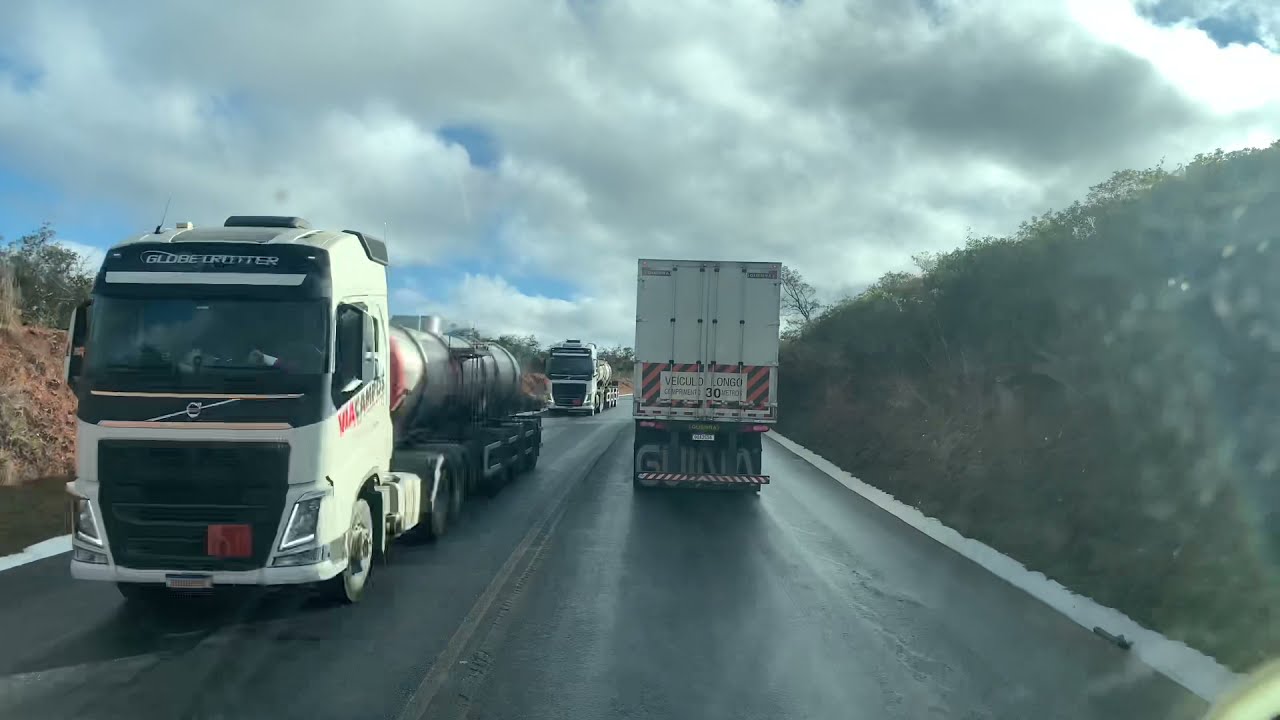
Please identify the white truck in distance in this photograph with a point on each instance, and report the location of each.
(580, 379)
(706, 372)
(248, 416)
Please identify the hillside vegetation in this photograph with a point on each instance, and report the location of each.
(40, 282)
(1095, 395)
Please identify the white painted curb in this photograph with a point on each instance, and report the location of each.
(39, 551)
(1186, 666)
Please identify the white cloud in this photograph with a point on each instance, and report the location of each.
(1227, 80)
(494, 307)
(93, 256)
(838, 137)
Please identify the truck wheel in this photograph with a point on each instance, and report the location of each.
(455, 491)
(347, 587)
(438, 519)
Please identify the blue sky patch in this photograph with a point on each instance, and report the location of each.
(1224, 29)
(26, 203)
(23, 76)
(481, 145)
(234, 106)
(439, 282)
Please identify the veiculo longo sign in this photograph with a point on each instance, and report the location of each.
(161, 257)
(728, 387)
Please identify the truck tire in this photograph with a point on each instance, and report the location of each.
(348, 586)
(457, 491)
(437, 521)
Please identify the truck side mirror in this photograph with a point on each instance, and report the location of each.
(77, 334)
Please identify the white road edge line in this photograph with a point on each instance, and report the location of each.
(1186, 666)
(41, 550)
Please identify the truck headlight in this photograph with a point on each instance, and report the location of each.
(303, 520)
(85, 522)
(85, 555)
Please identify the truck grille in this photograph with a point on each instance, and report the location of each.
(566, 394)
(159, 497)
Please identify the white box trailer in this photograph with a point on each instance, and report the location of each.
(706, 373)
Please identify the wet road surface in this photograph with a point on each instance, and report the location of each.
(570, 596)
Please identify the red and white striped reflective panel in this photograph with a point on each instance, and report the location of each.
(683, 477)
(757, 383)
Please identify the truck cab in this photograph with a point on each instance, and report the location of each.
(580, 380)
(233, 423)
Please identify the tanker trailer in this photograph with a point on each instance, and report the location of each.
(457, 402)
(606, 385)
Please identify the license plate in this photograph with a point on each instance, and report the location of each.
(229, 541)
(188, 582)
(709, 437)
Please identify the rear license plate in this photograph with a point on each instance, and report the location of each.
(188, 582)
(709, 437)
(229, 541)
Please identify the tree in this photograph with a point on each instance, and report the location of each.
(799, 298)
(621, 358)
(51, 279)
(526, 349)
(1105, 359)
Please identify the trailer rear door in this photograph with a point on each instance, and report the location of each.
(707, 340)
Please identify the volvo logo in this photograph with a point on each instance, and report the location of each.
(193, 410)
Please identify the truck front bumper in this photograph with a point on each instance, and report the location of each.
(296, 575)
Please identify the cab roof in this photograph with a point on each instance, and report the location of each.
(267, 230)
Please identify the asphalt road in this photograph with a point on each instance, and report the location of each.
(569, 596)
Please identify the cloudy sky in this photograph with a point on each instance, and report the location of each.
(519, 156)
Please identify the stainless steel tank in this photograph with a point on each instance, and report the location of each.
(503, 375)
(430, 383)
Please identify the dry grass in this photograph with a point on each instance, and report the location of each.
(10, 299)
(19, 439)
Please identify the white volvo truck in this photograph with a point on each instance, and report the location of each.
(248, 416)
(580, 379)
(706, 374)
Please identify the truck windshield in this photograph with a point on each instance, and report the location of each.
(189, 336)
(570, 365)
